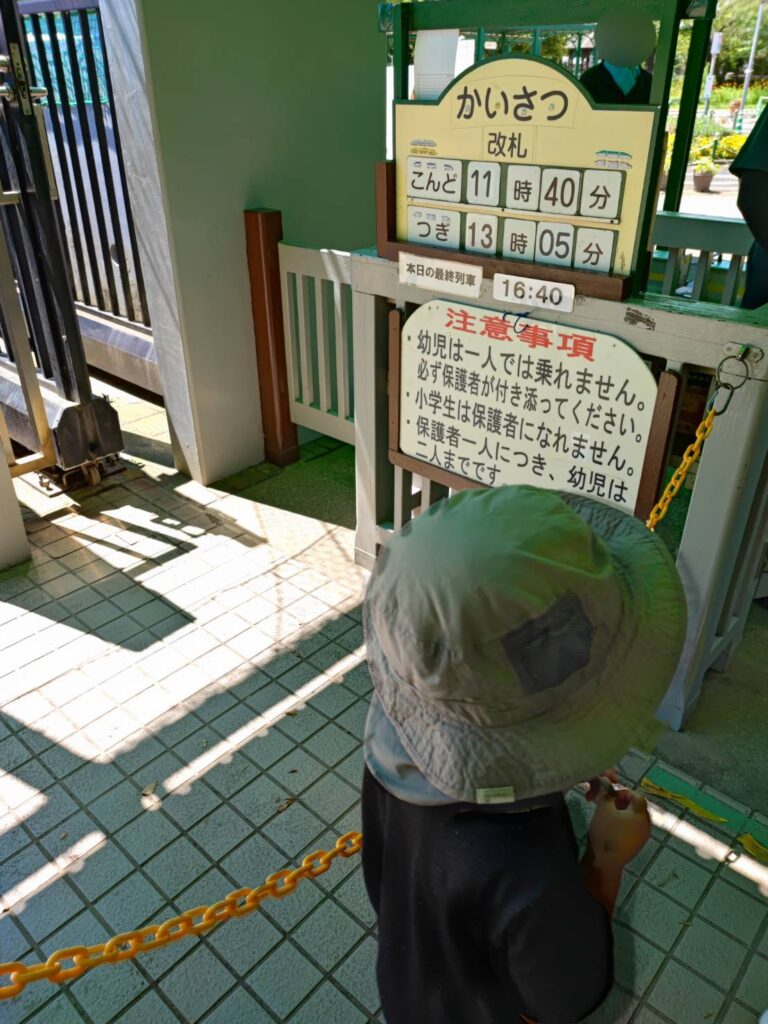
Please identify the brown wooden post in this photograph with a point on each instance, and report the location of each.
(263, 231)
(659, 443)
(386, 201)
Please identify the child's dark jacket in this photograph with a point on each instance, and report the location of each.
(482, 913)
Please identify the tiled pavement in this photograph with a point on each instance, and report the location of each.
(183, 694)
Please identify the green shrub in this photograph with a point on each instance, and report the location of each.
(668, 151)
(709, 127)
(724, 95)
(728, 147)
(703, 146)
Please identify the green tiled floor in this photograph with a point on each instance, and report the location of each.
(145, 770)
(321, 485)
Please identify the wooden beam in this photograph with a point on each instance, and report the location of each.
(689, 104)
(429, 472)
(263, 232)
(386, 205)
(393, 377)
(493, 14)
(659, 440)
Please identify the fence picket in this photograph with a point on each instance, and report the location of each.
(671, 272)
(731, 280)
(321, 346)
(305, 338)
(342, 351)
(287, 284)
(702, 269)
(66, 42)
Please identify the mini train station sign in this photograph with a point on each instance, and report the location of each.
(515, 162)
(500, 399)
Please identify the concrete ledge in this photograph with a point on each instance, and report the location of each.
(123, 351)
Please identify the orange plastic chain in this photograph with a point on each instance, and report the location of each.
(128, 945)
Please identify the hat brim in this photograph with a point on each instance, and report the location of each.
(576, 739)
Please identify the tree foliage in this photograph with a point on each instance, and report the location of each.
(736, 20)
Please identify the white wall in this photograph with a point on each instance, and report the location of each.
(250, 105)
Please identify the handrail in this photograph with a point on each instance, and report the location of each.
(55, 6)
(493, 15)
(708, 234)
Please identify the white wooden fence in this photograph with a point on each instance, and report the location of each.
(317, 313)
(724, 541)
(700, 256)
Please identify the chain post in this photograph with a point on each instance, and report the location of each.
(704, 429)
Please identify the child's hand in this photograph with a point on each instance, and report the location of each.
(620, 828)
(596, 787)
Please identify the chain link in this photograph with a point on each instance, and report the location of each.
(703, 431)
(200, 920)
(692, 453)
(74, 961)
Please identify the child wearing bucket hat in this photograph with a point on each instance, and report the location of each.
(519, 641)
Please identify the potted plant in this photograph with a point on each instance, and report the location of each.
(704, 171)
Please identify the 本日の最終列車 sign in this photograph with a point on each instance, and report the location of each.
(440, 275)
(515, 162)
(502, 399)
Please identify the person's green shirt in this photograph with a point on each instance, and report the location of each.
(751, 167)
(754, 153)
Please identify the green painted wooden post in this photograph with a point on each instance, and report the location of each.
(480, 46)
(689, 104)
(401, 23)
(578, 55)
(663, 69)
(498, 15)
(664, 64)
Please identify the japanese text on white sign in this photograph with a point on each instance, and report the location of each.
(502, 399)
(441, 275)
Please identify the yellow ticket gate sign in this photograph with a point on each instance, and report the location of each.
(515, 163)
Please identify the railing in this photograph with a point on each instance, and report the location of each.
(45, 392)
(723, 542)
(65, 40)
(700, 258)
(317, 323)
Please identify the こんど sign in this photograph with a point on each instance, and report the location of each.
(515, 162)
(501, 399)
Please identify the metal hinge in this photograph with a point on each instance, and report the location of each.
(750, 352)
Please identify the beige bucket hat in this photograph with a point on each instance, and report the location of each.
(520, 640)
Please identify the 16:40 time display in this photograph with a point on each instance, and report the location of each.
(526, 291)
